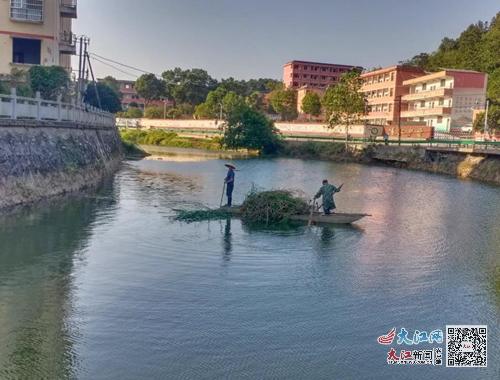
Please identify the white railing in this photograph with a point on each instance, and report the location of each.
(15, 107)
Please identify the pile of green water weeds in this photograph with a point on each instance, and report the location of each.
(274, 206)
(190, 216)
(259, 207)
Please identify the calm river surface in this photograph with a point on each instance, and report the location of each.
(108, 286)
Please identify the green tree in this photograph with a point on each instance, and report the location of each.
(109, 99)
(247, 128)
(493, 120)
(188, 86)
(344, 104)
(494, 85)
(50, 81)
(212, 107)
(203, 111)
(112, 83)
(284, 102)
(311, 104)
(230, 102)
(149, 87)
(256, 100)
(490, 56)
(154, 112)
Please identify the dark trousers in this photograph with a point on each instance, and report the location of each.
(229, 193)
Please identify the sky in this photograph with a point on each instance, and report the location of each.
(254, 38)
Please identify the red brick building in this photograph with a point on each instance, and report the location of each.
(313, 74)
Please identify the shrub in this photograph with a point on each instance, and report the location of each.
(133, 113)
(154, 112)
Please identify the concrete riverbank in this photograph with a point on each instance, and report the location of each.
(40, 159)
(479, 166)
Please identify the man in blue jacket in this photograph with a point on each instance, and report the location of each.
(229, 180)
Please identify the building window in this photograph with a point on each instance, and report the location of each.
(440, 119)
(26, 51)
(443, 82)
(26, 10)
(441, 102)
(424, 86)
(392, 77)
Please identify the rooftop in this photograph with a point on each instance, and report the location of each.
(319, 63)
(384, 70)
(440, 74)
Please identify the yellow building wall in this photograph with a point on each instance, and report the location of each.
(48, 32)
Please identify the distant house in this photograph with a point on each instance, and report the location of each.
(130, 96)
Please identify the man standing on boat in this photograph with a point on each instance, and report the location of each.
(229, 181)
(327, 191)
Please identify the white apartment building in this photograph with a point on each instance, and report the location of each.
(445, 99)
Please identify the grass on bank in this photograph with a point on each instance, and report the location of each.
(161, 137)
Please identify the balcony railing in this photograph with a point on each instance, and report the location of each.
(439, 93)
(15, 107)
(426, 112)
(67, 43)
(69, 8)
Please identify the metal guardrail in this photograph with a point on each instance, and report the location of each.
(13, 107)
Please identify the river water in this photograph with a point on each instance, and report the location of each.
(107, 286)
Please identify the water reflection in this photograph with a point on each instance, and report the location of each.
(39, 248)
(227, 243)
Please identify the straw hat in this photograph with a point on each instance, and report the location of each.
(231, 166)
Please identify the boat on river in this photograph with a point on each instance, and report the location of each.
(316, 217)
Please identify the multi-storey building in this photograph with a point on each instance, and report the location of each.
(382, 88)
(313, 74)
(36, 32)
(445, 99)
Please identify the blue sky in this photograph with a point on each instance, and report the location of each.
(254, 38)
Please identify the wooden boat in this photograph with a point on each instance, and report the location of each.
(317, 217)
(335, 218)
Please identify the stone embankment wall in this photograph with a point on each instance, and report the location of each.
(473, 165)
(43, 159)
(479, 166)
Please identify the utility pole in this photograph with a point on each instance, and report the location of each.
(84, 66)
(95, 83)
(486, 117)
(399, 120)
(80, 72)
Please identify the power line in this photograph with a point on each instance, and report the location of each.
(121, 64)
(116, 68)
